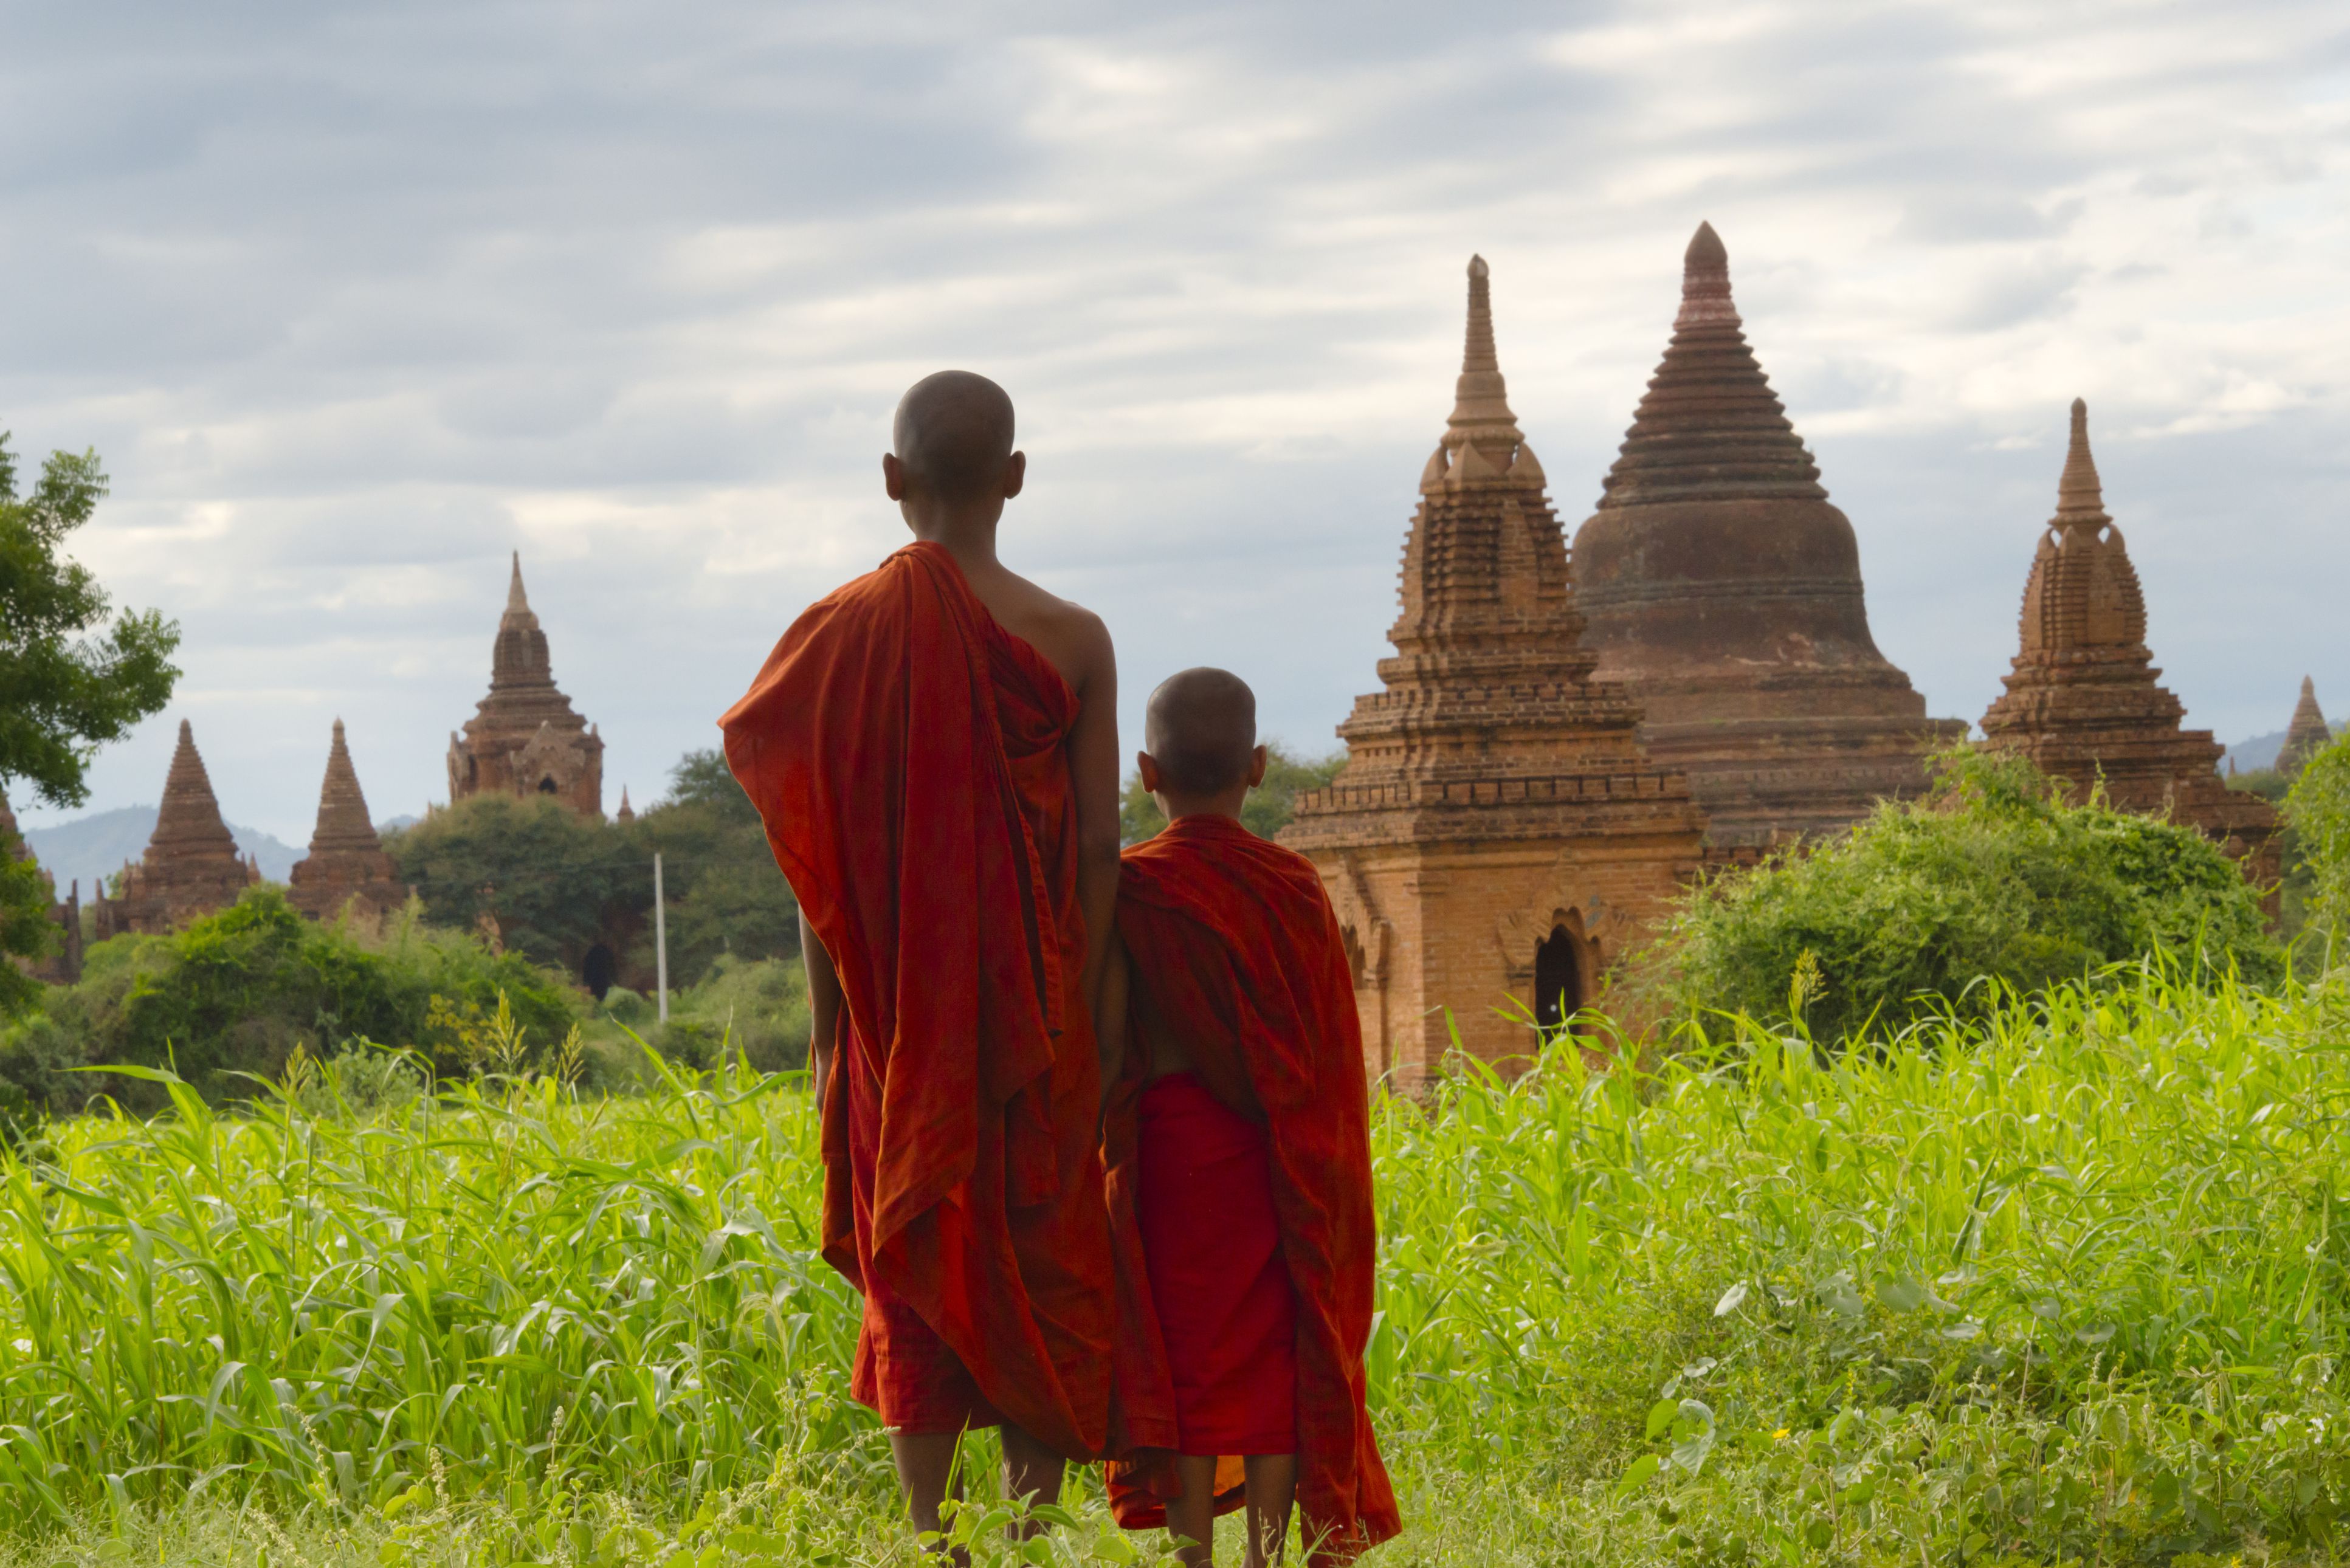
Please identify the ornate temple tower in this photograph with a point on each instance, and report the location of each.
(1721, 588)
(347, 865)
(191, 867)
(524, 738)
(1498, 831)
(2082, 701)
(2306, 735)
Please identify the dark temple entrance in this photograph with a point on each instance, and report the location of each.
(1558, 978)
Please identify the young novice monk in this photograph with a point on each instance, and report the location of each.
(933, 748)
(1239, 1163)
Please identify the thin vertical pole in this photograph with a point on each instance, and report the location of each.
(661, 939)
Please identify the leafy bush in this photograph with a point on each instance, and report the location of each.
(727, 897)
(2319, 810)
(1992, 876)
(236, 991)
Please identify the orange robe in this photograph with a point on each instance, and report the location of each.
(1235, 947)
(907, 755)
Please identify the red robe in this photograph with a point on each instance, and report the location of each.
(906, 753)
(1234, 946)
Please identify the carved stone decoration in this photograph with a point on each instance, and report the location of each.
(1722, 588)
(525, 713)
(2082, 701)
(1491, 758)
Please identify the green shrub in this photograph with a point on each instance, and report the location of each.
(2319, 810)
(236, 991)
(1991, 877)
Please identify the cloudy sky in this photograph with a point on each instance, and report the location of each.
(355, 299)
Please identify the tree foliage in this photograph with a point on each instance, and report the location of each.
(1990, 876)
(66, 687)
(551, 883)
(68, 683)
(2318, 807)
(236, 991)
(1265, 813)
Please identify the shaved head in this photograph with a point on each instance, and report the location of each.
(1201, 728)
(953, 433)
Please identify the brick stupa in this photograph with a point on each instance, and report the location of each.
(1498, 831)
(2306, 735)
(347, 868)
(1720, 586)
(2082, 701)
(191, 866)
(524, 739)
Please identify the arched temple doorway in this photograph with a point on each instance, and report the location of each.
(1558, 978)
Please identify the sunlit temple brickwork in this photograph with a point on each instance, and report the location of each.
(1718, 584)
(2081, 700)
(1497, 831)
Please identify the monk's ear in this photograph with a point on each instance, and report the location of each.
(1257, 761)
(1147, 767)
(893, 476)
(1016, 474)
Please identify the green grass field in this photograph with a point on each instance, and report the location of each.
(2072, 1285)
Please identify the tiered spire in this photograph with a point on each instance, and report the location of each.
(1721, 588)
(525, 712)
(2082, 702)
(2307, 734)
(188, 826)
(347, 861)
(1709, 426)
(1492, 775)
(191, 866)
(2082, 592)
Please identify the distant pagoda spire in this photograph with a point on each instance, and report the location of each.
(2082, 698)
(524, 738)
(347, 861)
(2307, 734)
(1492, 776)
(627, 812)
(190, 866)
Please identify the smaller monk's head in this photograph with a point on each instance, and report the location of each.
(951, 460)
(1199, 736)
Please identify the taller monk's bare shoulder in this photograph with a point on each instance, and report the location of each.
(1072, 639)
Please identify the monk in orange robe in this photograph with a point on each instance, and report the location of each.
(933, 748)
(1238, 1144)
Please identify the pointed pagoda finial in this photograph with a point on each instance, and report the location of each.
(1480, 405)
(515, 600)
(627, 812)
(1705, 283)
(2080, 499)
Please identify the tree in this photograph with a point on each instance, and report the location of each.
(727, 895)
(545, 879)
(1266, 811)
(68, 682)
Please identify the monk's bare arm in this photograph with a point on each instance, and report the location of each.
(823, 1004)
(1093, 777)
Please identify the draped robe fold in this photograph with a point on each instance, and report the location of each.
(1233, 946)
(907, 755)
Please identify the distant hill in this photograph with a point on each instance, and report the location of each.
(89, 847)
